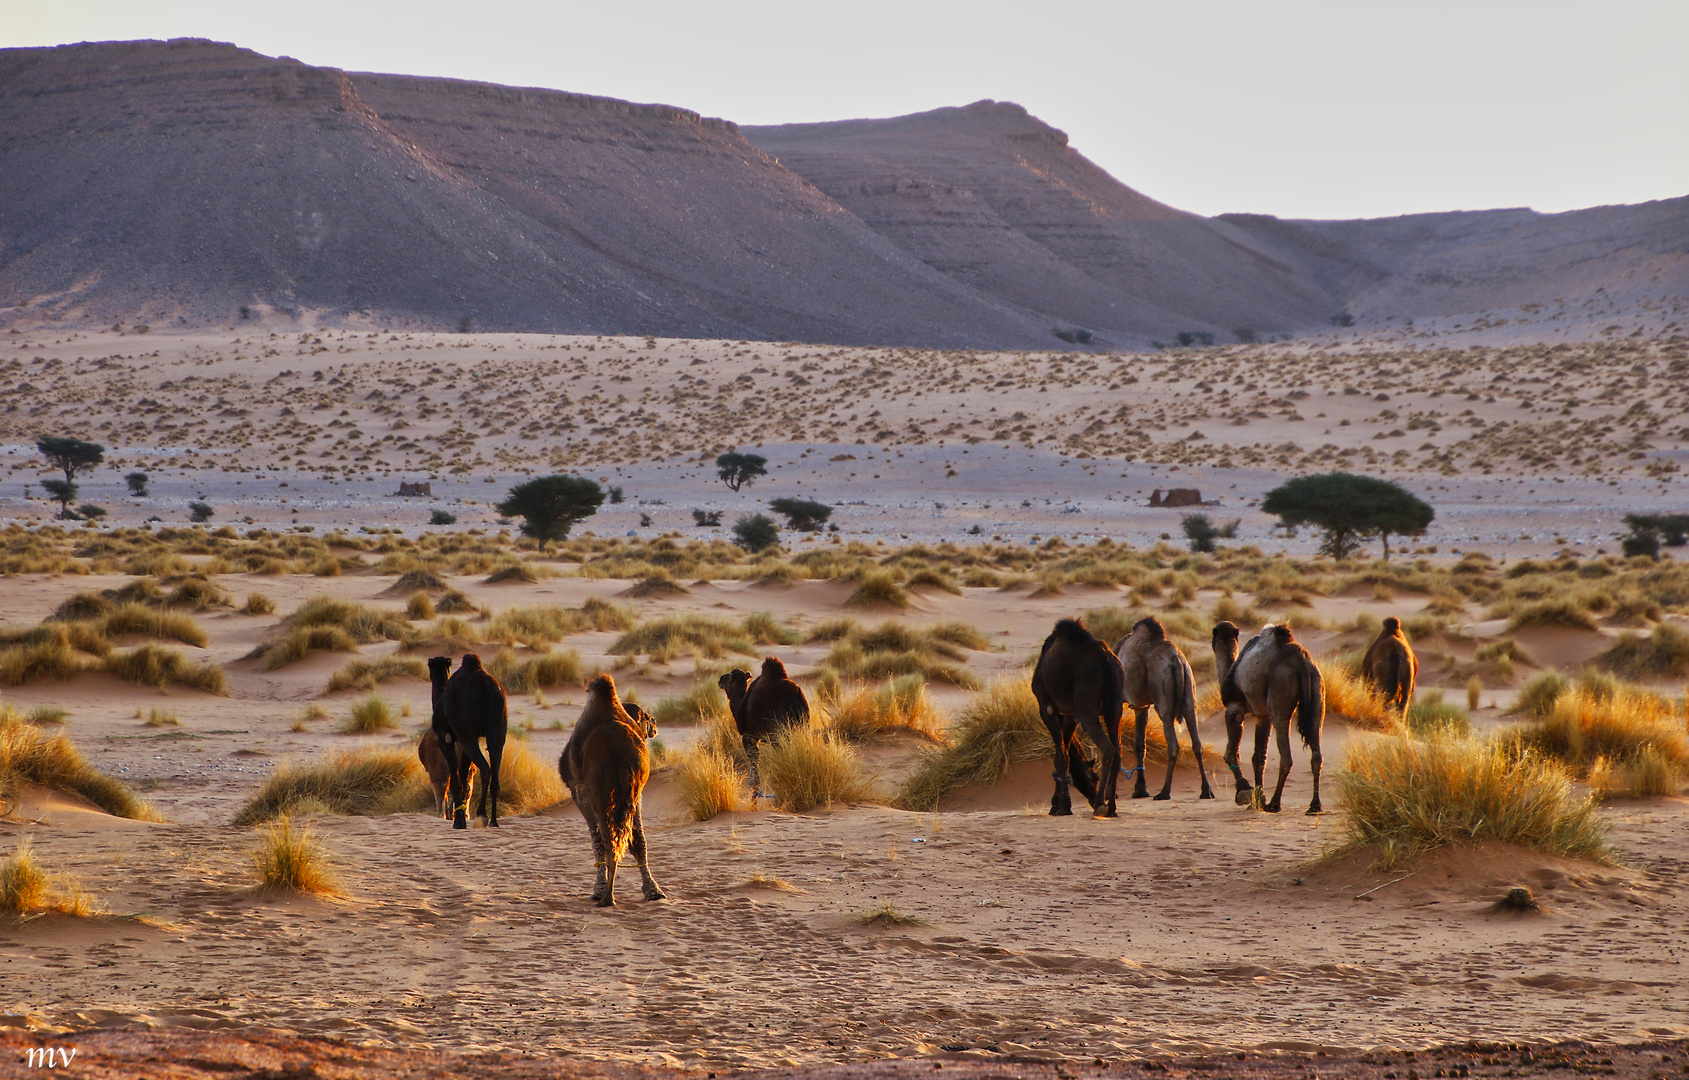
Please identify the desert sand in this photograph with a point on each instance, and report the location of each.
(1180, 928)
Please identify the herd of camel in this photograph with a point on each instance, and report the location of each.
(1079, 682)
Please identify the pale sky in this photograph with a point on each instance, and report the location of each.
(1299, 108)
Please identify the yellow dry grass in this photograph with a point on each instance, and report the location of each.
(805, 767)
(362, 674)
(998, 727)
(28, 755)
(28, 891)
(863, 713)
(157, 666)
(708, 782)
(289, 858)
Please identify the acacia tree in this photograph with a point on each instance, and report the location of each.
(71, 456)
(550, 506)
(1349, 509)
(736, 469)
(802, 515)
(756, 532)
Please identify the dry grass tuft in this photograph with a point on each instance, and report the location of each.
(370, 714)
(1559, 611)
(805, 767)
(1407, 796)
(363, 782)
(419, 607)
(708, 781)
(48, 652)
(888, 916)
(134, 618)
(878, 588)
(27, 891)
(289, 858)
(672, 635)
(1664, 652)
(517, 572)
(154, 665)
(257, 604)
(519, 676)
(699, 703)
(1430, 717)
(893, 649)
(1346, 695)
(361, 674)
(527, 784)
(29, 756)
(1621, 737)
(897, 705)
(997, 728)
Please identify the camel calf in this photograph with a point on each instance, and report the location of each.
(762, 708)
(605, 766)
(1390, 666)
(438, 768)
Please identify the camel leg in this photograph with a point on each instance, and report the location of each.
(1061, 804)
(1079, 768)
(1314, 760)
(1263, 729)
(751, 746)
(1196, 748)
(1234, 740)
(1140, 719)
(600, 853)
(461, 791)
(489, 802)
(1170, 731)
(1106, 734)
(652, 890)
(1282, 728)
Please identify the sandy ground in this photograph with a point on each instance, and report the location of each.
(1524, 448)
(1180, 928)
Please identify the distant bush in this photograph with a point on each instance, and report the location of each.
(442, 517)
(802, 515)
(756, 532)
(201, 511)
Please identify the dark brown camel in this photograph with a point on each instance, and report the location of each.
(1272, 678)
(763, 707)
(1390, 666)
(475, 709)
(1158, 674)
(605, 765)
(438, 749)
(1078, 681)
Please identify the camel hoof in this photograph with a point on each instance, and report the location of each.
(1206, 794)
(1061, 811)
(1164, 796)
(1144, 794)
(657, 895)
(1314, 810)
(460, 823)
(606, 902)
(1106, 812)
(1242, 798)
(1271, 808)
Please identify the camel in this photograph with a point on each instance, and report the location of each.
(475, 709)
(762, 707)
(1078, 681)
(1390, 666)
(438, 749)
(1273, 678)
(605, 765)
(1158, 674)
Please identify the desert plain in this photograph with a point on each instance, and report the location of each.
(991, 492)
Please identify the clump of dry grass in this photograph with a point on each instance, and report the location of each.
(197, 593)
(526, 783)
(333, 625)
(454, 602)
(362, 674)
(157, 666)
(1536, 697)
(29, 756)
(887, 915)
(53, 651)
(1405, 796)
(28, 891)
(370, 714)
(998, 727)
(870, 712)
(893, 649)
(1625, 730)
(709, 782)
(806, 766)
(664, 638)
(703, 700)
(363, 782)
(159, 718)
(1555, 611)
(257, 604)
(1663, 652)
(515, 572)
(134, 618)
(1647, 773)
(878, 588)
(419, 606)
(1348, 696)
(1431, 717)
(289, 858)
(522, 676)
(764, 629)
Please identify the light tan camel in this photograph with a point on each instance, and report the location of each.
(1272, 678)
(1158, 674)
(1390, 666)
(605, 765)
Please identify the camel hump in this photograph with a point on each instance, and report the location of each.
(1282, 634)
(602, 686)
(1392, 625)
(1152, 627)
(1072, 630)
(471, 662)
(773, 668)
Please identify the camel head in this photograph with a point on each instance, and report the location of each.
(1152, 628)
(1225, 637)
(471, 662)
(773, 669)
(439, 667)
(1392, 625)
(733, 683)
(642, 721)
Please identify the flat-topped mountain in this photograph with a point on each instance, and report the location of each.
(176, 182)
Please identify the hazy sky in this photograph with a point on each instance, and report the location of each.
(1298, 108)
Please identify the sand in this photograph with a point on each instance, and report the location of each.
(1179, 928)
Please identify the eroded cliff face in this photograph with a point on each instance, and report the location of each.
(187, 178)
(994, 197)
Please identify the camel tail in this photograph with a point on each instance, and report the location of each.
(1310, 710)
(1186, 694)
(618, 815)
